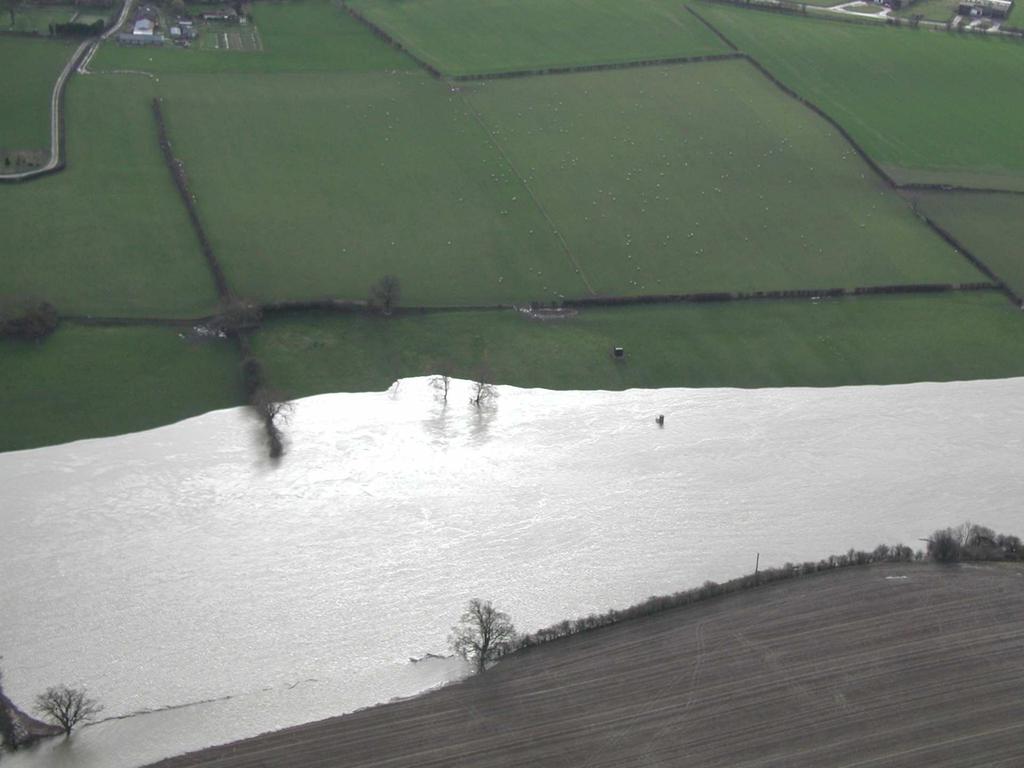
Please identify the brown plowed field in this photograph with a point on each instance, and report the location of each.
(861, 667)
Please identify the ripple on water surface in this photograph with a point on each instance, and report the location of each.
(192, 570)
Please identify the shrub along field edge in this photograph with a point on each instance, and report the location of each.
(967, 543)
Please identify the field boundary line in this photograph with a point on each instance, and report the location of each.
(718, 33)
(177, 170)
(916, 186)
(874, 166)
(579, 68)
(522, 180)
(964, 251)
(362, 307)
(112, 321)
(345, 306)
(812, 294)
(387, 38)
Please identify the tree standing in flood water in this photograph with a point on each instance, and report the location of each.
(67, 707)
(482, 634)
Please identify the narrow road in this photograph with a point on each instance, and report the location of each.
(79, 61)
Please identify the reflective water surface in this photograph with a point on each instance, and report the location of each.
(203, 594)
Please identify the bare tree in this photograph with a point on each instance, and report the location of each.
(482, 393)
(441, 383)
(482, 634)
(67, 707)
(385, 293)
(273, 410)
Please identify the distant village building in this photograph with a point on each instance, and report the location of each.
(995, 9)
(144, 28)
(133, 39)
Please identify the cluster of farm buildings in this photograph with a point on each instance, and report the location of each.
(146, 27)
(994, 9)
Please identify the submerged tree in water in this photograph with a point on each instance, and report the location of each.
(67, 707)
(482, 634)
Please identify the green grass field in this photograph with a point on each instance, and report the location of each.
(682, 179)
(103, 381)
(297, 36)
(915, 99)
(705, 177)
(933, 10)
(328, 160)
(108, 235)
(478, 36)
(336, 180)
(992, 226)
(883, 340)
(88, 382)
(36, 18)
(28, 70)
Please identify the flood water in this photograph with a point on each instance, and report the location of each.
(204, 594)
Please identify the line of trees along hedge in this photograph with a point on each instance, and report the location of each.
(799, 293)
(77, 29)
(972, 542)
(29, 322)
(383, 35)
(878, 170)
(600, 67)
(177, 169)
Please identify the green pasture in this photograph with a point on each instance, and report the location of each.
(478, 36)
(89, 382)
(297, 36)
(108, 235)
(991, 226)
(705, 177)
(917, 100)
(318, 185)
(885, 340)
(36, 18)
(28, 71)
(932, 10)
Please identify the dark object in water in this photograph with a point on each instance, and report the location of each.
(660, 419)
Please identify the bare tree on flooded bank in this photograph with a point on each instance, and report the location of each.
(482, 391)
(441, 383)
(273, 411)
(67, 707)
(271, 408)
(483, 634)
